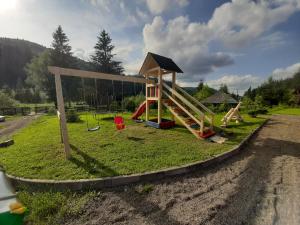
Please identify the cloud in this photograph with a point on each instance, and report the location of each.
(273, 40)
(236, 82)
(234, 24)
(120, 13)
(239, 22)
(185, 42)
(288, 72)
(157, 7)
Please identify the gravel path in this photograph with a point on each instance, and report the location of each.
(12, 126)
(259, 186)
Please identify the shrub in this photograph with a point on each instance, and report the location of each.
(72, 116)
(132, 102)
(114, 106)
(6, 101)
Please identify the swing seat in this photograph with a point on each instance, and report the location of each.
(94, 128)
(119, 121)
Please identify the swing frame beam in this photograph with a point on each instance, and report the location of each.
(59, 71)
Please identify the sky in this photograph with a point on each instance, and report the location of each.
(240, 43)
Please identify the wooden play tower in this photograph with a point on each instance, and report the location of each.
(197, 118)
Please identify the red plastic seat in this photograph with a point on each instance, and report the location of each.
(119, 121)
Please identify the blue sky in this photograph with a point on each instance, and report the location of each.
(239, 42)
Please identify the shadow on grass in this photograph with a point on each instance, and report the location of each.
(131, 138)
(91, 165)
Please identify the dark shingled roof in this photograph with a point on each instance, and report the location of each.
(165, 63)
(219, 97)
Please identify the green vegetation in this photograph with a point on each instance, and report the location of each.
(38, 153)
(51, 207)
(275, 92)
(6, 100)
(285, 110)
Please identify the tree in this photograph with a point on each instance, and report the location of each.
(103, 57)
(61, 54)
(200, 85)
(224, 88)
(6, 100)
(205, 92)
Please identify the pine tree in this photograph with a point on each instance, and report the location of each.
(103, 57)
(61, 54)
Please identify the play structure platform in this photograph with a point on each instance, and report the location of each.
(197, 118)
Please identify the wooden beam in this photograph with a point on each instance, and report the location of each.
(62, 114)
(95, 75)
(173, 88)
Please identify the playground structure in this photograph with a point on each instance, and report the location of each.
(197, 118)
(232, 114)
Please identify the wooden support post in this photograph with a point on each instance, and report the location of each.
(147, 103)
(173, 88)
(61, 109)
(159, 108)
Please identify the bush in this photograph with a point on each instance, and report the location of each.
(254, 113)
(132, 102)
(72, 116)
(6, 101)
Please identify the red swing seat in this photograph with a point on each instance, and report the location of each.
(119, 121)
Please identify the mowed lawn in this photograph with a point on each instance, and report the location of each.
(38, 152)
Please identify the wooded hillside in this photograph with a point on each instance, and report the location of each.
(14, 55)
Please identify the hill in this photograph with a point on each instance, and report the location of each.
(14, 54)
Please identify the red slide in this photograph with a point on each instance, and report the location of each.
(140, 110)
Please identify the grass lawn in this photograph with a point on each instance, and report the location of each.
(38, 153)
(285, 111)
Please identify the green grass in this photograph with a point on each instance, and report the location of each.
(284, 111)
(53, 207)
(38, 153)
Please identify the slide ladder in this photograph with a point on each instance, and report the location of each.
(196, 117)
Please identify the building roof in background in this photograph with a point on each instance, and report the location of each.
(219, 98)
(153, 60)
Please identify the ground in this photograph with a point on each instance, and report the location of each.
(258, 186)
(14, 123)
(38, 152)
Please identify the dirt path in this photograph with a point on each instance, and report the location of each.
(12, 126)
(259, 186)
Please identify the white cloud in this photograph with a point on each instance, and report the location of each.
(157, 7)
(236, 82)
(239, 22)
(185, 42)
(288, 72)
(235, 24)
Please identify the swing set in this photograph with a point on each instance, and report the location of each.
(118, 119)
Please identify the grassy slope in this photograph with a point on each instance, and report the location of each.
(38, 153)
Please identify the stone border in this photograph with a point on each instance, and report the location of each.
(108, 182)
